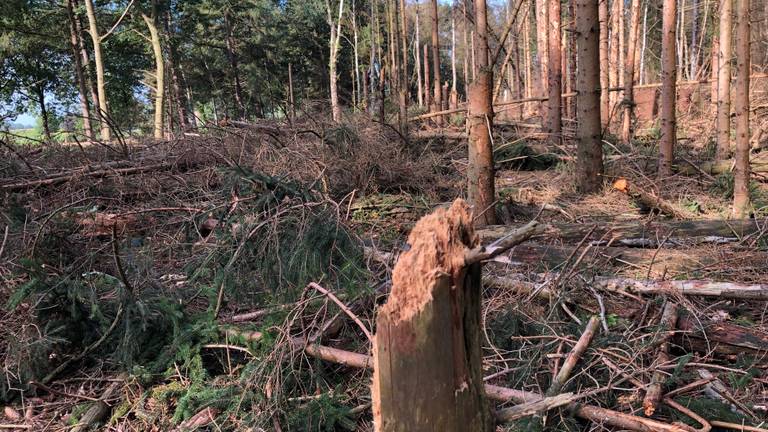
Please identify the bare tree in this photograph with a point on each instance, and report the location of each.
(74, 40)
(724, 81)
(480, 175)
(157, 50)
(741, 171)
(335, 42)
(554, 83)
(629, 71)
(589, 132)
(668, 88)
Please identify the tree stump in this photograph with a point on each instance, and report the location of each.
(427, 350)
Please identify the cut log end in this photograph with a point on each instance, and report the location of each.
(436, 247)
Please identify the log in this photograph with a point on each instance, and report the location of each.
(649, 235)
(732, 290)
(99, 409)
(427, 349)
(757, 164)
(654, 390)
(535, 407)
(649, 200)
(736, 338)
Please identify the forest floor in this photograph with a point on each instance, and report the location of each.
(174, 285)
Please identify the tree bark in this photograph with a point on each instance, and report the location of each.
(417, 54)
(335, 41)
(715, 66)
(427, 79)
(554, 83)
(427, 353)
(157, 50)
(234, 64)
(629, 72)
(741, 173)
(724, 81)
(437, 92)
(589, 129)
(666, 328)
(480, 175)
(542, 47)
(74, 42)
(40, 92)
(454, 97)
(668, 89)
(605, 112)
(99, 63)
(180, 98)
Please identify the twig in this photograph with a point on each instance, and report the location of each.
(344, 308)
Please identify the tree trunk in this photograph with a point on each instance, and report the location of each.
(741, 174)
(724, 81)
(437, 96)
(99, 62)
(668, 89)
(570, 103)
(403, 95)
(74, 42)
(417, 53)
(542, 48)
(40, 92)
(554, 84)
(480, 175)
(182, 103)
(641, 74)
(87, 70)
(335, 40)
(427, 350)
(694, 49)
(356, 73)
(613, 61)
(629, 72)
(291, 100)
(590, 149)
(159, 71)
(233, 63)
(427, 79)
(713, 77)
(454, 97)
(604, 63)
(466, 49)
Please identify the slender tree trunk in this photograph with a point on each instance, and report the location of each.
(437, 98)
(74, 41)
(402, 26)
(40, 91)
(481, 188)
(87, 69)
(182, 104)
(604, 63)
(335, 41)
(571, 102)
(99, 62)
(668, 89)
(693, 50)
(724, 81)
(713, 89)
(629, 72)
(356, 50)
(157, 50)
(466, 49)
(527, 50)
(542, 47)
(427, 79)
(622, 45)
(741, 171)
(641, 74)
(554, 83)
(417, 54)
(613, 65)
(234, 65)
(454, 97)
(589, 129)
(291, 100)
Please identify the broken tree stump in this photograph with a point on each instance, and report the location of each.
(427, 359)
(649, 200)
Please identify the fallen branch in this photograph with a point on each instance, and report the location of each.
(535, 407)
(570, 362)
(503, 244)
(99, 409)
(666, 326)
(722, 336)
(650, 200)
(344, 308)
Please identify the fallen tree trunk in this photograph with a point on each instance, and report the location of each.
(633, 234)
(705, 288)
(757, 164)
(666, 327)
(722, 336)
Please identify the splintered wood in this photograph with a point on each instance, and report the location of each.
(427, 358)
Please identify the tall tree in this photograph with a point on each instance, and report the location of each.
(417, 59)
(741, 171)
(589, 129)
(554, 83)
(542, 46)
(334, 43)
(80, 73)
(604, 63)
(437, 96)
(668, 88)
(157, 50)
(481, 189)
(724, 81)
(99, 63)
(629, 71)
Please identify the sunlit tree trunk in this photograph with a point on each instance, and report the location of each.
(604, 63)
(335, 42)
(402, 25)
(542, 46)
(641, 73)
(613, 64)
(356, 52)
(481, 189)
(427, 79)
(741, 170)
(99, 63)
(417, 55)
(74, 41)
(713, 74)
(668, 88)
(724, 81)
(589, 129)
(437, 96)
(176, 84)
(554, 83)
(629, 71)
(154, 34)
(454, 97)
(466, 48)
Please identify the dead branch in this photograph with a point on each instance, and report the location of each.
(650, 200)
(504, 243)
(666, 327)
(570, 362)
(100, 409)
(535, 407)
